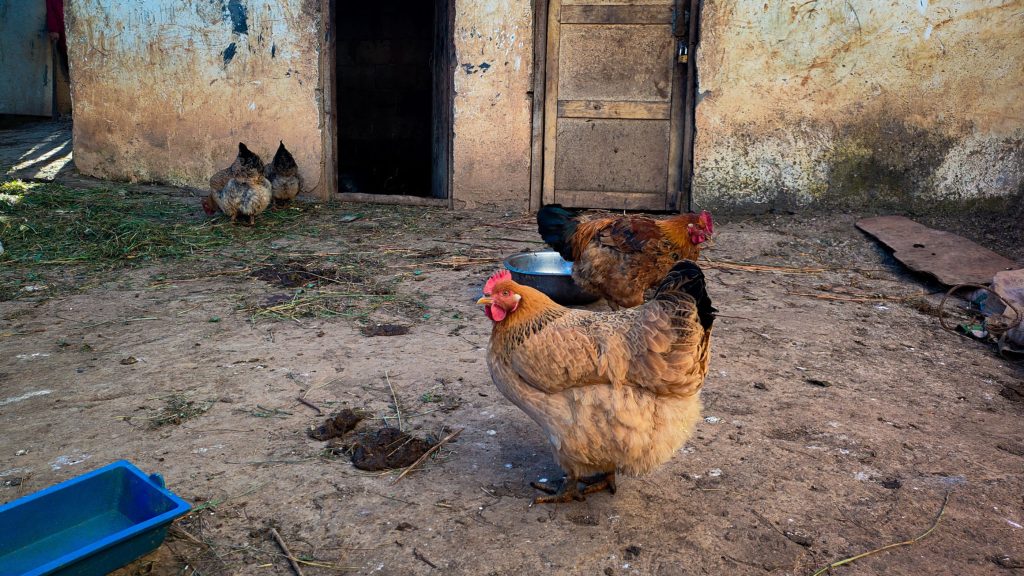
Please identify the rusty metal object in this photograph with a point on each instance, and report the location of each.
(949, 258)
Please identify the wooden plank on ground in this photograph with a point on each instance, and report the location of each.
(950, 258)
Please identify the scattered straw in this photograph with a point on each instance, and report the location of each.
(751, 267)
(178, 409)
(839, 563)
(878, 298)
(398, 409)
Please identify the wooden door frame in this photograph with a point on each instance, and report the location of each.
(328, 189)
(540, 67)
(675, 201)
(689, 127)
(328, 90)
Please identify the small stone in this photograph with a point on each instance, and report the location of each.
(1004, 561)
(892, 483)
(799, 537)
(21, 452)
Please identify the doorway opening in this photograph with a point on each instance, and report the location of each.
(393, 97)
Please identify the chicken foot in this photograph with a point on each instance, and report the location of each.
(570, 491)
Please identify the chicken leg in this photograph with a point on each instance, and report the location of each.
(570, 491)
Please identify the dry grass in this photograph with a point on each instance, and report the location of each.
(47, 229)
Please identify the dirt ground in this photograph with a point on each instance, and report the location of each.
(839, 415)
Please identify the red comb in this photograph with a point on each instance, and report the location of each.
(499, 276)
(705, 217)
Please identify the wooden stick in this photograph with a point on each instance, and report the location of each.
(759, 267)
(421, 557)
(433, 449)
(395, 398)
(838, 563)
(287, 553)
(391, 199)
(850, 299)
(319, 412)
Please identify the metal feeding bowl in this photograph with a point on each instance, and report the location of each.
(548, 272)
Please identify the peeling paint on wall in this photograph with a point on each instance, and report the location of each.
(859, 102)
(494, 51)
(165, 89)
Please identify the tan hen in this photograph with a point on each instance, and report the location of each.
(613, 391)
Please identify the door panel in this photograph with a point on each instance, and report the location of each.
(616, 62)
(612, 104)
(618, 155)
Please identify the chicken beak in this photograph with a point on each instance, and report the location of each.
(486, 300)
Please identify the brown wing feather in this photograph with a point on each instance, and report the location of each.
(585, 232)
(629, 234)
(659, 346)
(558, 357)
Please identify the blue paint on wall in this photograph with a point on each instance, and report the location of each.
(239, 17)
(229, 53)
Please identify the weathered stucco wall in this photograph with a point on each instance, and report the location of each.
(859, 102)
(165, 89)
(494, 53)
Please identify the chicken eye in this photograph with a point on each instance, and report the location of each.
(504, 292)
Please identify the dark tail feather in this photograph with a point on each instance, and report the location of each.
(283, 159)
(557, 226)
(249, 159)
(687, 277)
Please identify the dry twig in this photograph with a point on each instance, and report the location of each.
(394, 397)
(760, 267)
(422, 558)
(839, 563)
(879, 298)
(287, 553)
(433, 449)
(319, 412)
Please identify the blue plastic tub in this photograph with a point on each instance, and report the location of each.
(89, 525)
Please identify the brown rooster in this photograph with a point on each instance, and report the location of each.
(619, 257)
(613, 391)
(246, 191)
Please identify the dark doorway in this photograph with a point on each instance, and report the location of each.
(393, 97)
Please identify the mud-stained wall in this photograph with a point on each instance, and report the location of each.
(494, 53)
(164, 90)
(859, 102)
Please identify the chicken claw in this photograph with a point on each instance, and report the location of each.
(599, 482)
(567, 492)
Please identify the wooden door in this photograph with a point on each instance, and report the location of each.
(613, 103)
